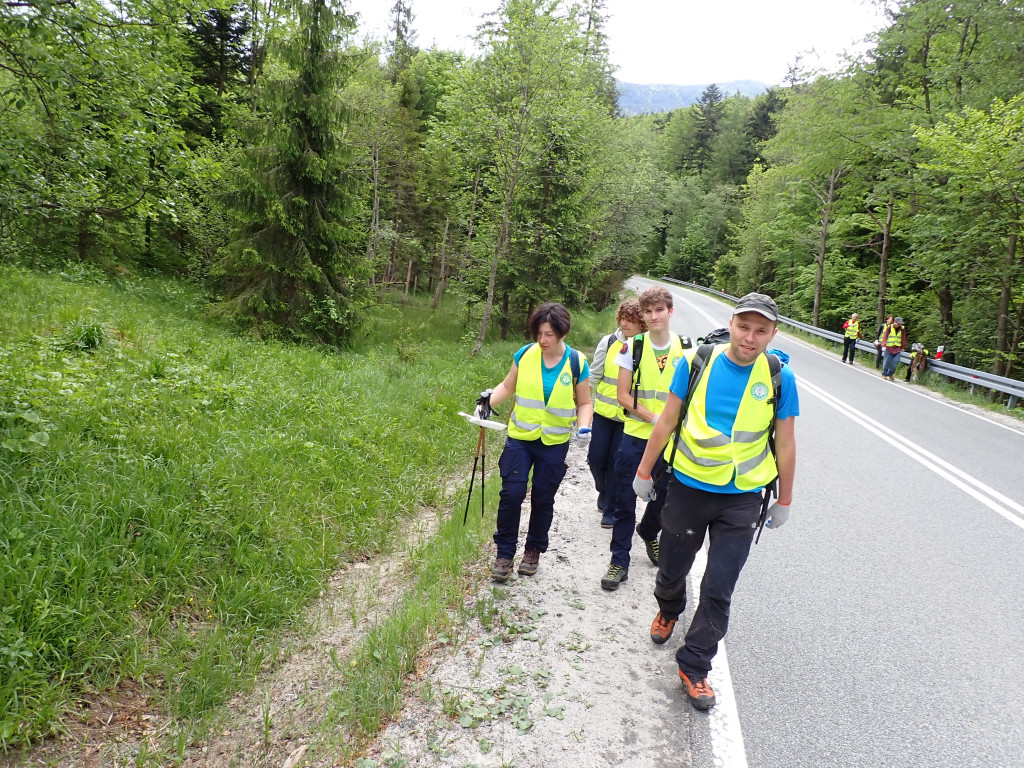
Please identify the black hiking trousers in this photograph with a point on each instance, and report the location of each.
(730, 521)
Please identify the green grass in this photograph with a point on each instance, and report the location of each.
(378, 670)
(171, 495)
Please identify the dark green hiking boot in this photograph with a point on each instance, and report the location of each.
(615, 576)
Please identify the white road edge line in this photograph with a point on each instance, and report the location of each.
(727, 747)
(928, 460)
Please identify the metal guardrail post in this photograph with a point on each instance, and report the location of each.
(973, 378)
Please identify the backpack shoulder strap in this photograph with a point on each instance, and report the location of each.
(775, 368)
(697, 365)
(638, 353)
(700, 359)
(574, 364)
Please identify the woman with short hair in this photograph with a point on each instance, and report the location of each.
(549, 381)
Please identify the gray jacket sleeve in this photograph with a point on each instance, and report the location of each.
(597, 364)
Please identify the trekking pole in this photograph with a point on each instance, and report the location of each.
(483, 469)
(476, 458)
(480, 458)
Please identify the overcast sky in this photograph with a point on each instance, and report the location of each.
(674, 41)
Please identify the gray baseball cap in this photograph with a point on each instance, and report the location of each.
(898, 320)
(758, 302)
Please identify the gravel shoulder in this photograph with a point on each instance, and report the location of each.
(551, 669)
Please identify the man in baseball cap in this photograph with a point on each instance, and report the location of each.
(722, 464)
(758, 302)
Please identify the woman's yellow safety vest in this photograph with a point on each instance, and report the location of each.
(853, 330)
(712, 457)
(531, 417)
(895, 337)
(606, 400)
(654, 384)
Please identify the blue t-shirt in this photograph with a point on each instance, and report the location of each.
(550, 375)
(726, 384)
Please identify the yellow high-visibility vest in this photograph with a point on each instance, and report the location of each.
(853, 329)
(712, 457)
(654, 384)
(531, 417)
(606, 401)
(895, 337)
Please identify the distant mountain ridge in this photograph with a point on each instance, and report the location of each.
(637, 99)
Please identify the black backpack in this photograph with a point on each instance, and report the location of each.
(717, 336)
(697, 367)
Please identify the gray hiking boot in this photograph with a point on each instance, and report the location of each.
(501, 569)
(653, 549)
(615, 576)
(528, 565)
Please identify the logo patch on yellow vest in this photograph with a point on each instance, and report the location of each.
(759, 391)
(565, 379)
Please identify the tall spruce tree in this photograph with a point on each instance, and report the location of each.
(403, 38)
(218, 43)
(594, 18)
(294, 270)
(709, 111)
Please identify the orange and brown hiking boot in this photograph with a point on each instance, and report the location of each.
(698, 690)
(661, 628)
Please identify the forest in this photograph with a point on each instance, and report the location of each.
(297, 172)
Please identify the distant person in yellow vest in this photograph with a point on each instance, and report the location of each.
(550, 383)
(604, 377)
(851, 332)
(894, 341)
(642, 395)
(878, 340)
(722, 461)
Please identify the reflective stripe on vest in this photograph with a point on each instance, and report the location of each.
(531, 418)
(606, 400)
(853, 330)
(654, 384)
(712, 457)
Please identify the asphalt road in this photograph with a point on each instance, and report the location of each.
(884, 624)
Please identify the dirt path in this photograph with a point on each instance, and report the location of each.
(552, 670)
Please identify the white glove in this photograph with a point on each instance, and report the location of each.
(483, 405)
(655, 419)
(778, 514)
(643, 486)
(583, 437)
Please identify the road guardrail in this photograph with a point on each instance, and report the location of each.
(1011, 387)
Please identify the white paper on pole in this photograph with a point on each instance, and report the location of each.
(486, 423)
